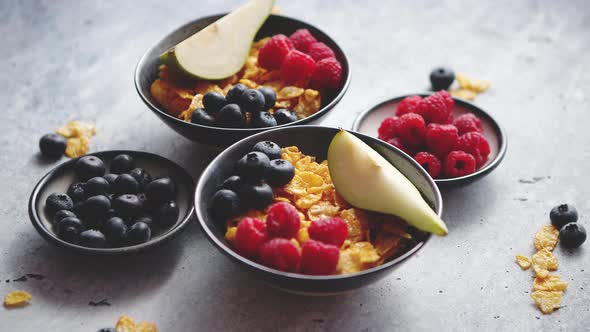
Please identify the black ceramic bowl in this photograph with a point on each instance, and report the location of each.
(311, 140)
(147, 71)
(59, 179)
(368, 121)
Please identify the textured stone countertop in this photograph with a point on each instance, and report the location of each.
(66, 60)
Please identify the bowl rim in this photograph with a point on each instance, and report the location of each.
(51, 237)
(297, 276)
(155, 108)
(467, 105)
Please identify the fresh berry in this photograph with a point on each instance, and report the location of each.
(433, 109)
(262, 120)
(440, 138)
(97, 186)
(69, 228)
(283, 116)
(122, 163)
(213, 102)
(76, 191)
(200, 116)
(319, 51)
(139, 233)
(252, 166)
(225, 204)
(250, 235)
(270, 97)
(146, 220)
(231, 116)
(297, 68)
(167, 214)
(389, 128)
(397, 142)
(467, 123)
(88, 167)
(447, 98)
(475, 144)
(280, 254)
(572, 235)
(329, 230)
(110, 177)
(257, 195)
(96, 207)
(282, 220)
(252, 101)
(280, 172)
(563, 214)
(459, 163)
(408, 105)
(412, 129)
(273, 53)
(449, 119)
(92, 239)
(441, 78)
(234, 95)
(115, 230)
(429, 162)
(127, 205)
(58, 201)
(271, 149)
(142, 176)
(52, 145)
(328, 73)
(319, 258)
(233, 183)
(302, 40)
(125, 184)
(61, 214)
(161, 190)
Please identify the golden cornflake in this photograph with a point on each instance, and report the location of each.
(289, 92)
(230, 234)
(357, 223)
(547, 301)
(523, 261)
(473, 85)
(77, 129)
(357, 257)
(173, 98)
(78, 146)
(546, 237)
(17, 299)
(126, 324)
(463, 94)
(552, 282)
(543, 262)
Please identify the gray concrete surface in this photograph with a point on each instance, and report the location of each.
(65, 60)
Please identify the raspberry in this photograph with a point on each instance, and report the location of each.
(475, 144)
(467, 123)
(411, 129)
(318, 258)
(449, 119)
(433, 109)
(319, 51)
(408, 105)
(327, 74)
(388, 128)
(302, 40)
(297, 67)
(250, 235)
(441, 138)
(447, 98)
(273, 53)
(282, 220)
(429, 162)
(397, 142)
(280, 254)
(329, 230)
(459, 163)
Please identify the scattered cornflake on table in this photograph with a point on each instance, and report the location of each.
(463, 94)
(469, 88)
(78, 137)
(552, 282)
(17, 299)
(126, 324)
(543, 262)
(547, 301)
(546, 237)
(523, 261)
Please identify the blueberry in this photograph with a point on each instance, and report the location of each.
(69, 228)
(125, 184)
(200, 116)
(146, 220)
(122, 163)
(143, 200)
(258, 195)
(252, 166)
(127, 205)
(79, 208)
(262, 120)
(107, 329)
(58, 201)
(563, 214)
(77, 191)
(167, 214)
(97, 186)
(61, 214)
(252, 101)
(225, 204)
(92, 239)
(139, 233)
(231, 116)
(115, 231)
(270, 97)
(283, 115)
(96, 207)
(88, 167)
(160, 190)
(271, 149)
(213, 102)
(110, 177)
(572, 235)
(142, 176)
(52, 145)
(280, 172)
(235, 93)
(233, 183)
(441, 78)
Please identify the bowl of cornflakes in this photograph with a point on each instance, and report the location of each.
(375, 244)
(174, 98)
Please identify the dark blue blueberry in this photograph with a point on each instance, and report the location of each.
(166, 214)
(270, 97)
(213, 102)
(142, 176)
(88, 167)
(92, 239)
(125, 184)
(231, 116)
(262, 120)
(257, 195)
(271, 149)
(96, 208)
(139, 233)
(122, 163)
(200, 116)
(235, 93)
(563, 214)
(69, 228)
(115, 231)
(283, 116)
(441, 78)
(280, 172)
(52, 145)
(58, 201)
(225, 204)
(77, 191)
(572, 235)
(233, 183)
(252, 166)
(146, 220)
(252, 101)
(110, 177)
(160, 190)
(61, 214)
(96, 186)
(127, 205)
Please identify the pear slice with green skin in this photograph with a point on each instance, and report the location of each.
(368, 181)
(220, 49)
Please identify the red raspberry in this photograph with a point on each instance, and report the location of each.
(433, 109)
(459, 163)
(441, 138)
(412, 129)
(397, 142)
(318, 258)
(282, 220)
(302, 40)
(327, 74)
(319, 51)
(297, 67)
(449, 119)
(329, 230)
(475, 144)
(273, 53)
(408, 105)
(467, 123)
(429, 162)
(388, 128)
(280, 254)
(250, 235)
(448, 99)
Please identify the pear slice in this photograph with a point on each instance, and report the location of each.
(220, 49)
(368, 181)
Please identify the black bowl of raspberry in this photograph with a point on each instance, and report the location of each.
(369, 122)
(148, 68)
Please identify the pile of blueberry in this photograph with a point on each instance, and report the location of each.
(255, 174)
(565, 218)
(117, 209)
(231, 111)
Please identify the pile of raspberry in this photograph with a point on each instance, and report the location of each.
(424, 128)
(301, 60)
(273, 244)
